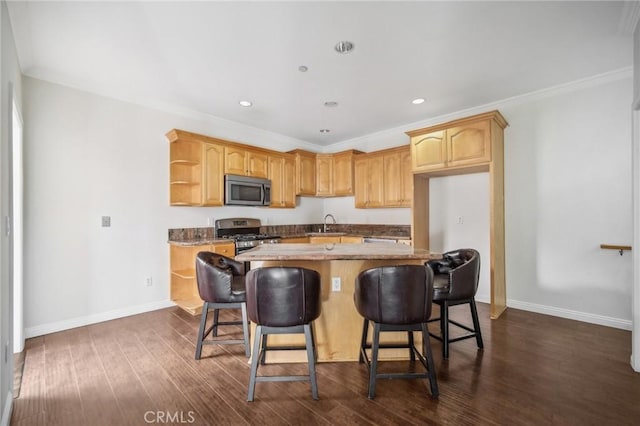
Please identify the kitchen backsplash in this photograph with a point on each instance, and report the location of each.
(188, 234)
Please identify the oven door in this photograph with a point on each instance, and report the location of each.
(246, 191)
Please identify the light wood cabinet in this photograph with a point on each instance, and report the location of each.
(343, 173)
(335, 239)
(294, 240)
(245, 162)
(184, 285)
(384, 178)
(195, 171)
(325, 240)
(324, 175)
(369, 180)
(350, 239)
(305, 172)
(212, 178)
(469, 145)
(282, 175)
(398, 178)
(459, 146)
(334, 174)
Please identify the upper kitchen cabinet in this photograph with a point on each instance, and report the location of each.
(384, 178)
(343, 172)
(334, 173)
(241, 161)
(469, 145)
(282, 174)
(398, 178)
(195, 177)
(305, 174)
(457, 144)
(324, 175)
(369, 180)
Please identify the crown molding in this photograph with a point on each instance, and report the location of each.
(572, 86)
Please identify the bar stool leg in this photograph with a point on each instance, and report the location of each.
(373, 370)
(245, 330)
(254, 363)
(313, 342)
(444, 324)
(428, 354)
(203, 324)
(263, 354)
(363, 341)
(476, 323)
(412, 356)
(308, 338)
(216, 313)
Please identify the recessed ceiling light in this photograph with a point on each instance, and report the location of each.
(344, 47)
(417, 101)
(331, 104)
(303, 68)
(324, 130)
(245, 103)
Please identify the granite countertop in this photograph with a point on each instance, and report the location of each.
(346, 234)
(370, 251)
(200, 241)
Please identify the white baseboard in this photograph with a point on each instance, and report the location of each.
(569, 314)
(53, 327)
(6, 411)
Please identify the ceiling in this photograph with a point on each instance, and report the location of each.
(208, 56)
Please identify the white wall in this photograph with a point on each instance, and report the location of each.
(457, 221)
(567, 190)
(89, 156)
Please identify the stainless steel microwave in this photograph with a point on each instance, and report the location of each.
(246, 191)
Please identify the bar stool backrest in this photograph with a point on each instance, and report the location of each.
(395, 294)
(283, 296)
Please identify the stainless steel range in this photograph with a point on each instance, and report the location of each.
(244, 231)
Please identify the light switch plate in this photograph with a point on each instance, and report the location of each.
(106, 221)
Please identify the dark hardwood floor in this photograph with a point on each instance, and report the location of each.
(534, 370)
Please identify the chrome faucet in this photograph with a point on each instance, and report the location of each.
(325, 221)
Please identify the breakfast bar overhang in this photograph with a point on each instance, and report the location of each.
(339, 327)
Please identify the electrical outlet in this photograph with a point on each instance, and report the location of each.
(335, 284)
(106, 221)
(149, 281)
(460, 220)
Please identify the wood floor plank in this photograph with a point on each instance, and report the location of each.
(118, 379)
(31, 403)
(62, 395)
(208, 403)
(165, 396)
(534, 370)
(231, 379)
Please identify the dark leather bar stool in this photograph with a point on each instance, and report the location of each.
(455, 282)
(221, 286)
(283, 300)
(396, 298)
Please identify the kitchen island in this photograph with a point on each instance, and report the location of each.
(339, 327)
